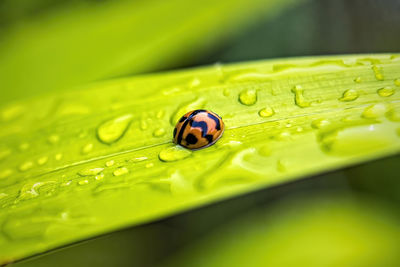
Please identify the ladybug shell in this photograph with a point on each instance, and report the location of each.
(198, 129)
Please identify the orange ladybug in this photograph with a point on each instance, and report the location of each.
(198, 129)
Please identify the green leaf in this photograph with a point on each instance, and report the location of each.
(83, 42)
(90, 161)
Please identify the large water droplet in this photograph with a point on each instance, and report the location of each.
(320, 123)
(266, 112)
(114, 129)
(87, 148)
(25, 166)
(299, 99)
(183, 109)
(378, 73)
(160, 114)
(120, 171)
(99, 176)
(358, 80)
(374, 111)
(349, 95)
(357, 140)
(90, 171)
(174, 153)
(393, 114)
(32, 190)
(386, 91)
(159, 132)
(248, 97)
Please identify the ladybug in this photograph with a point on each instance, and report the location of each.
(198, 129)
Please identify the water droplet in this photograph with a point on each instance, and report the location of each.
(174, 153)
(374, 111)
(149, 165)
(349, 95)
(281, 166)
(114, 129)
(53, 139)
(183, 109)
(357, 140)
(393, 114)
(159, 132)
(110, 163)
(23, 146)
(378, 73)
(12, 112)
(67, 183)
(194, 83)
(397, 82)
(248, 97)
(90, 171)
(358, 80)
(87, 148)
(120, 171)
(25, 166)
(58, 156)
(266, 112)
(320, 123)
(299, 99)
(33, 190)
(83, 182)
(42, 160)
(299, 129)
(226, 91)
(288, 125)
(99, 176)
(143, 124)
(138, 159)
(5, 173)
(4, 153)
(160, 114)
(386, 91)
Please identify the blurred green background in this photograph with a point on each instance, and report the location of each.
(344, 218)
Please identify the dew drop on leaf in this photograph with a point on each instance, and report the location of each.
(25, 166)
(248, 97)
(83, 182)
(174, 153)
(393, 114)
(378, 73)
(120, 171)
(58, 156)
(358, 80)
(42, 160)
(87, 148)
(349, 95)
(90, 171)
(53, 139)
(266, 112)
(159, 132)
(99, 176)
(386, 91)
(114, 129)
(110, 163)
(5, 173)
(299, 99)
(374, 111)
